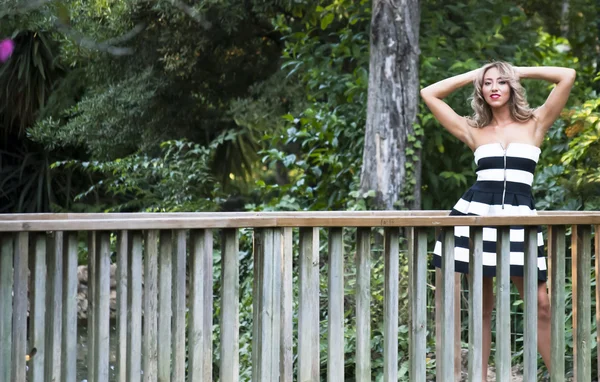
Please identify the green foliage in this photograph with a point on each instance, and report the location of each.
(178, 180)
(570, 176)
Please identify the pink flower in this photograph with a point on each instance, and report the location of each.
(6, 49)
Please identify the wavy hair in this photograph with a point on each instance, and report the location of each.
(517, 103)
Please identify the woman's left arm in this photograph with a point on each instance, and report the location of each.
(556, 101)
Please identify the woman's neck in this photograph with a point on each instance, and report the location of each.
(501, 116)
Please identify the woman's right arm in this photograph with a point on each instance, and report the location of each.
(433, 96)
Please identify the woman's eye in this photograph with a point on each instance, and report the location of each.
(502, 82)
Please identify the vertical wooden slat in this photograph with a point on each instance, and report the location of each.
(257, 304)
(91, 307)
(597, 263)
(475, 305)
(19, 320)
(69, 338)
(446, 365)
(363, 304)
(530, 300)
(419, 307)
(6, 304)
(54, 307)
(574, 295)
(390, 304)
(411, 239)
(457, 328)
(286, 368)
(179, 307)
(556, 239)
(200, 321)
(583, 358)
(308, 314)
(439, 307)
(122, 292)
(267, 300)
(102, 290)
(230, 308)
(503, 304)
(335, 338)
(37, 320)
(150, 327)
(134, 329)
(165, 312)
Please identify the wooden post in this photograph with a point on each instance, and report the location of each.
(179, 306)
(150, 335)
(122, 306)
(6, 304)
(503, 304)
(308, 314)
(446, 365)
(583, 360)
(165, 310)
(363, 304)
(286, 367)
(390, 305)
(476, 305)
(530, 300)
(37, 320)
(134, 328)
(335, 338)
(419, 307)
(556, 236)
(19, 319)
(230, 361)
(54, 307)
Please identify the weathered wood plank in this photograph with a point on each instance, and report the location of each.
(54, 306)
(150, 327)
(457, 328)
(122, 306)
(179, 307)
(503, 305)
(446, 360)
(574, 295)
(69, 333)
(91, 307)
(409, 246)
(267, 300)
(19, 319)
(597, 275)
(102, 290)
(287, 356)
(257, 303)
(6, 304)
(390, 304)
(297, 219)
(230, 307)
(335, 325)
(308, 314)
(419, 307)
(583, 358)
(475, 371)
(165, 311)
(556, 238)
(37, 314)
(200, 321)
(531, 301)
(134, 329)
(363, 304)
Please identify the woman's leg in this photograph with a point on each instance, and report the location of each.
(543, 321)
(488, 308)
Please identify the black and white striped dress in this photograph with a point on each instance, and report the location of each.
(503, 187)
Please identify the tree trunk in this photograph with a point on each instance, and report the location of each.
(391, 162)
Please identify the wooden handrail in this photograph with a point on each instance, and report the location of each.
(88, 222)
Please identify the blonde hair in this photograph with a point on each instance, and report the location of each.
(517, 103)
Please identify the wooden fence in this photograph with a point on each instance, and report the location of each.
(155, 252)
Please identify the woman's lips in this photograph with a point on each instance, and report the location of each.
(495, 96)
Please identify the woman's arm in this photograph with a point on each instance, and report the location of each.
(556, 101)
(433, 96)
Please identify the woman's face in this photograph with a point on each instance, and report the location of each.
(495, 90)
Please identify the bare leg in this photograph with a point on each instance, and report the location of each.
(488, 308)
(544, 316)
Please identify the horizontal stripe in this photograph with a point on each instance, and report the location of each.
(489, 271)
(482, 209)
(489, 258)
(490, 234)
(515, 163)
(498, 187)
(514, 149)
(498, 175)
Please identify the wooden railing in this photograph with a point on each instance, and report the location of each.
(154, 252)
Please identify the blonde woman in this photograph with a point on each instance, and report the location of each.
(505, 135)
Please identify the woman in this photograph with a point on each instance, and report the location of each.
(505, 136)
